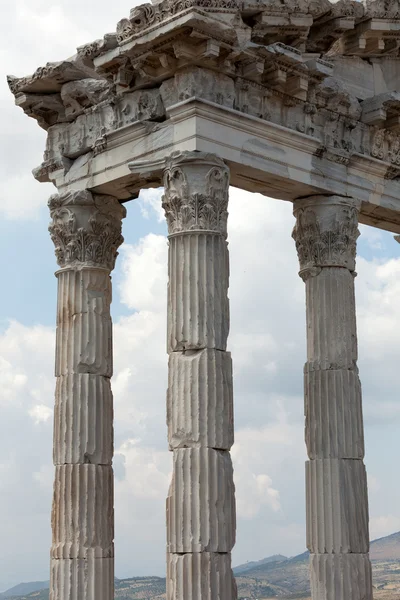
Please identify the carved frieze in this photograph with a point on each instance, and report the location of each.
(84, 93)
(196, 192)
(142, 105)
(94, 49)
(325, 233)
(266, 59)
(86, 229)
(385, 146)
(383, 9)
(148, 15)
(198, 83)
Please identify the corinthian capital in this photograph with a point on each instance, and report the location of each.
(325, 233)
(86, 229)
(196, 193)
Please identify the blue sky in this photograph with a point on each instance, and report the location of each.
(267, 342)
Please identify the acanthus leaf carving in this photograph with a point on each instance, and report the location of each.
(325, 235)
(196, 194)
(86, 229)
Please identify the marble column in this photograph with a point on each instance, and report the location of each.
(86, 231)
(201, 521)
(325, 233)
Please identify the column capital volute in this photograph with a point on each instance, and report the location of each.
(326, 233)
(196, 193)
(86, 229)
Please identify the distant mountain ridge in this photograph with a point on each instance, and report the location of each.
(272, 577)
(241, 569)
(25, 588)
(386, 548)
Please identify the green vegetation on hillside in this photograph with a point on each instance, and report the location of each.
(274, 577)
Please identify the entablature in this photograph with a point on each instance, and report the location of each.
(283, 63)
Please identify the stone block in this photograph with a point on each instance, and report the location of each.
(200, 83)
(84, 345)
(142, 105)
(337, 506)
(201, 502)
(84, 327)
(83, 513)
(203, 576)
(198, 305)
(81, 94)
(331, 335)
(78, 579)
(200, 400)
(83, 420)
(341, 577)
(333, 411)
(83, 291)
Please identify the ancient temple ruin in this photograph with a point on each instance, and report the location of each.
(293, 99)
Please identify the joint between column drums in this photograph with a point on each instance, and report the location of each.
(197, 232)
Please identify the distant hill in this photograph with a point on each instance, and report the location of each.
(290, 576)
(386, 548)
(24, 588)
(37, 595)
(272, 577)
(241, 569)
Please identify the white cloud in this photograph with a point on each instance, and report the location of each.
(145, 273)
(12, 381)
(150, 204)
(34, 33)
(267, 341)
(253, 492)
(45, 477)
(384, 525)
(373, 237)
(40, 413)
(268, 345)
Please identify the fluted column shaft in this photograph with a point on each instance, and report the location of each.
(201, 519)
(326, 232)
(86, 231)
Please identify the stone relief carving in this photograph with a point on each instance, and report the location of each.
(143, 105)
(92, 50)
(206, 210)
(346, 8)
(326, 238)
(147, 15)
(383, 9)
(199, 83)
(86, 229)
(263, 69)
(385, 145)
(78, 95)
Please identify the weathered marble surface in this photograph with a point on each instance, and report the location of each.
(200, 399)
(201, 516)
(326, 233)
(325, 70)
(86, 231)
(289, 98)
